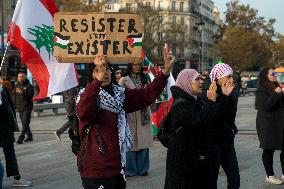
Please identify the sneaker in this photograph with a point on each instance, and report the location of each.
(22, 183)
(273, 180)
(282, 178)
(57, 135)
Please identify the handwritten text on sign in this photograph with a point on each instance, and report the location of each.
(78, 37)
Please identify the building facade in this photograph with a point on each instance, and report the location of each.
(193, 45)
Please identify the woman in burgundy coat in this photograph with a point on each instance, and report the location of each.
(107, 143)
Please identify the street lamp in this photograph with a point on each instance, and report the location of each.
(200, 26)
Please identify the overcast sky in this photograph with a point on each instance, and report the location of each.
(266, 8)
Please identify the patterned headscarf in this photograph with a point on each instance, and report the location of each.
(219, 71)
(184, 80)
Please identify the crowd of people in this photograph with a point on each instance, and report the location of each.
(117, 145)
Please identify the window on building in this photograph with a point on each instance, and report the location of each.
(182, 20)
(160, 5)
(148, 4)
(160, 36)
(181, 6)
(128, 6)
(173, 6)
(174, 19)
(181, 52)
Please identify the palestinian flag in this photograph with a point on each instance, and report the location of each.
(164, 101)
(60, 40)
(135, 40)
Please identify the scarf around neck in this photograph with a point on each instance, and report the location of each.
(115, 104)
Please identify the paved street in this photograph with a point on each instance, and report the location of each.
(51, 164)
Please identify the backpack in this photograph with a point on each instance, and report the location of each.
(165, 130)
(74, 133)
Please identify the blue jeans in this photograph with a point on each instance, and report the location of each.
(225, 155)
(1, 174)
(137, 162)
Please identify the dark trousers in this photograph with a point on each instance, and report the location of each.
(225, 155)
(115, 182)
(267, 159)
(11, 160)
(25, 117)
(1, 174)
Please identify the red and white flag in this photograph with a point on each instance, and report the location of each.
(32, 32)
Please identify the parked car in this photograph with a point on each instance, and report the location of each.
(249, 87)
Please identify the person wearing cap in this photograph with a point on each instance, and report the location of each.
(224, 129)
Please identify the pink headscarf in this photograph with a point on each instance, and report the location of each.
(184, 80)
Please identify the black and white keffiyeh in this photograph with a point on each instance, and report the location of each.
(115, 104)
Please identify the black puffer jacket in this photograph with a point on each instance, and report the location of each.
(188, 161)
(223, 126)
(24, 101)
(7, 119)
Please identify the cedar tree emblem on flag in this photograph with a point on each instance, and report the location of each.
(60, 40)
(135, 40)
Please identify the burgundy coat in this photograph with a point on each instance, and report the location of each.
(95, 164)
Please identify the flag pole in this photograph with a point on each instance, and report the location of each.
(4, 55)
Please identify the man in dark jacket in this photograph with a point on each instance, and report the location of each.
(7, 127)
(24, 93)
(69, 98)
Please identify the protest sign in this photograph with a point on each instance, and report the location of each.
(78, 37)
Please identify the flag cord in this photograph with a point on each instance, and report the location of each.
(2, 62)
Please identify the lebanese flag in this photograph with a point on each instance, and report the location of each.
(32, 32)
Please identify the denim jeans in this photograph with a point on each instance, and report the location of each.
(137, 162)
(1, 174)
(225, 155)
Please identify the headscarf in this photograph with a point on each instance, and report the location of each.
(184, 80)
(219, 71)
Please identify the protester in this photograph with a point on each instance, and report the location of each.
(69, 98)
(237, 81)
(137, 160)
(117, 73)
(103, 154)
(7, 85)
(188, 161)
(206, 84)
(24, 93)
(223, 133)
(269, 103)
(7, 127)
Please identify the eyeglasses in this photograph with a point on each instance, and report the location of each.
(274, 74)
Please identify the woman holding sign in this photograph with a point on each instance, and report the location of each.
(269, 103)
(105, 105)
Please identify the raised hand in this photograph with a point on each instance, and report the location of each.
(100, 70)
(278, 90)
(228, 87)
(212, 92)
(169, 60)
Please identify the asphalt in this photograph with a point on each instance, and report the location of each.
(50, 163)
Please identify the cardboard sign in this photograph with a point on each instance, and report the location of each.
(78, 37)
